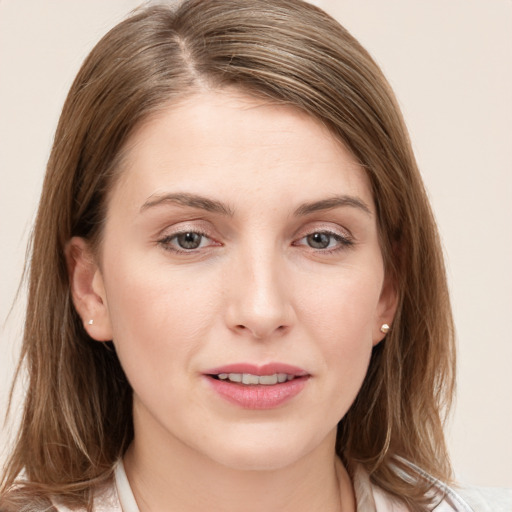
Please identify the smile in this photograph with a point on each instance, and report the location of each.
(257, 387)
(254, 380)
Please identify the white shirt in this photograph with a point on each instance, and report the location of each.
(117, 496)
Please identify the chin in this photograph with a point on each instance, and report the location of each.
(258, 460)
(267, 452)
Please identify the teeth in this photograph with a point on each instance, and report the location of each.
(250, 379)
(268, 380)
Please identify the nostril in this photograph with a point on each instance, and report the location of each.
(262, 332)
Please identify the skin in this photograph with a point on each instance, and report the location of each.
(255, 290)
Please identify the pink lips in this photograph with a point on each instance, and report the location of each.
(266, 369)
(258, 396)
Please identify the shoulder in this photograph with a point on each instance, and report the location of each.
(487, 499)
(445, 499)
(20, 499)
(105, 500)
(372, 498)
(115, 495)
(22, 502)
(443, 502)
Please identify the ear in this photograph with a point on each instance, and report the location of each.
(87, 289)
(386, 308)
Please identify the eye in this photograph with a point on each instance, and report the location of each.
(319, 240)
(189, 240)
(325, 240)
(185, 241)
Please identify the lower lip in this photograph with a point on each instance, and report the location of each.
(258, 396)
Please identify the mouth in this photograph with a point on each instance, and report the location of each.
(252, 387)
(249, 379)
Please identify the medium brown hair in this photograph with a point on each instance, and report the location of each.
(77, 418)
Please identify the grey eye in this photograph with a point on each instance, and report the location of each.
(189, 240)
(319, 240)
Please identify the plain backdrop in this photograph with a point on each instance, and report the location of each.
(450, 64)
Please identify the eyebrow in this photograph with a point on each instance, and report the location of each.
(211, 205)
(331, 203)
(190, 200)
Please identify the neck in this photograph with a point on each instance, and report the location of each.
(168, 475)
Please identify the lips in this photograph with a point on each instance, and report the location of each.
(257, 387)
(251, 379)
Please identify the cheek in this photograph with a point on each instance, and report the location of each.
(340, 318)
(151, 306)
(343, 311)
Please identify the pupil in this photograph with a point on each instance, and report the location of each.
(189, 240)
(319, 240)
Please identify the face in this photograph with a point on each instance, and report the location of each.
(240, 244)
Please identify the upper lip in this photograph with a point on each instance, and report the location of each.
(253, 369)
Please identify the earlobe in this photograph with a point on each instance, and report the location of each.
(88, 289)
(386, 310)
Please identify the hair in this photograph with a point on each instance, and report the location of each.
(77, 418)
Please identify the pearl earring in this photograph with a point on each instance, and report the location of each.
(384, 328)
(90, 322)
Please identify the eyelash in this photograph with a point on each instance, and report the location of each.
(343, 242)
(167, 241)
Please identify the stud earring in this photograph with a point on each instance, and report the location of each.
(90, 322)
(384, 328)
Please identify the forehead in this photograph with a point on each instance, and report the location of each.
(227, 142)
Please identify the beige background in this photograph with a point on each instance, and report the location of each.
(450, 63)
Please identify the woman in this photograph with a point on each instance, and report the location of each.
(248, 300)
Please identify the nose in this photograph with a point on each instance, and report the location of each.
(258, 297)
